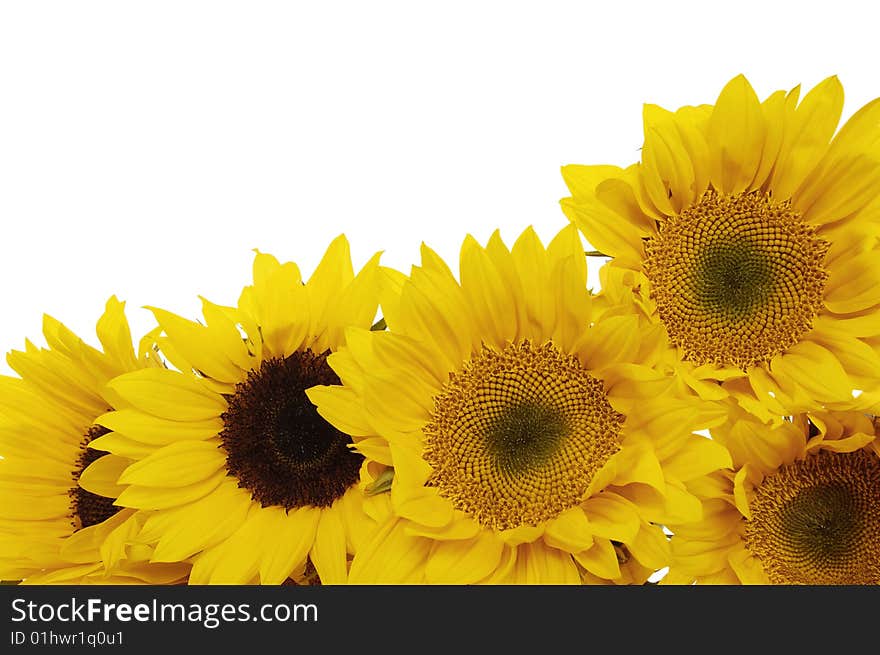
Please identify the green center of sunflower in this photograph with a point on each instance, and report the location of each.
(277, 444)
(733, 279)
(816, 521)
(524, 436)
(517, 435)
(737, 278)
(88, 509)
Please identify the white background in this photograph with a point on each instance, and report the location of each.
(146, 148)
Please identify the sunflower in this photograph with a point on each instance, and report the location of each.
(530, 439)
(245, 479)
(801, 506)
(752, 235)
(58, 520)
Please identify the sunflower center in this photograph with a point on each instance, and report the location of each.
(88, 509)
(524, 436)
(517, 435)
(816, 521)
(277, 444)
(737, 279)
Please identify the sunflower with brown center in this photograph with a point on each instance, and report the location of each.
(801, 505)
(530, 438)
(243, 477)
(58, 519)
(751, 237)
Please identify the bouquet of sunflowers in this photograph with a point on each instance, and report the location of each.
(708, 415)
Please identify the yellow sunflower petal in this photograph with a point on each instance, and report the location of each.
(650, 547)
(612, 517)
(465, 561)
(101, 477)
(700, 558)
(776, 108)
(573, 306)
(856, 286)
(225, 332)
(743, 481)
(200, 345)
(287, 541)
(845, 179)
(809, 132)
(667, 170)
(815, 369)
(158, 431)
(122, 446)
(391, 556)
(608, 232)
(422, 505)
(747, 567)
(235, 560)
(114, 547)
(846, 445)
(461, 527)
(83, 546)
(503, 571)
(582, 180)
(736, 136)
(697, 456)
(600, 560)
(613, 341)
(168, 394)
(328, 552)
(278, 303)
(537, 564)
(177, 465)
(342, 407)
(184, 531)
(637, 462)
(570, 531)
(487, 293)
(529, 258)
(522, 534)
(143, 497)
(115, 336)
(354, 305)
(332, 275)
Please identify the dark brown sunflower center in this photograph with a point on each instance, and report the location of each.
(737, 278)
(277, 444)
(517, 435)
(88, 509)
(817, 520)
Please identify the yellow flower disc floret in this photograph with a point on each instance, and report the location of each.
(737, 278)
(518, 434)
(816, 521)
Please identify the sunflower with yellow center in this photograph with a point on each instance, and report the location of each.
(530, 439)
(242, 476)
(801, 506)
(58, 519)
(751, 235)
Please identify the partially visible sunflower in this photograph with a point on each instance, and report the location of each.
(801, 506)
(58, 520)
(753, 238)
(530, 438)
(246, 480)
